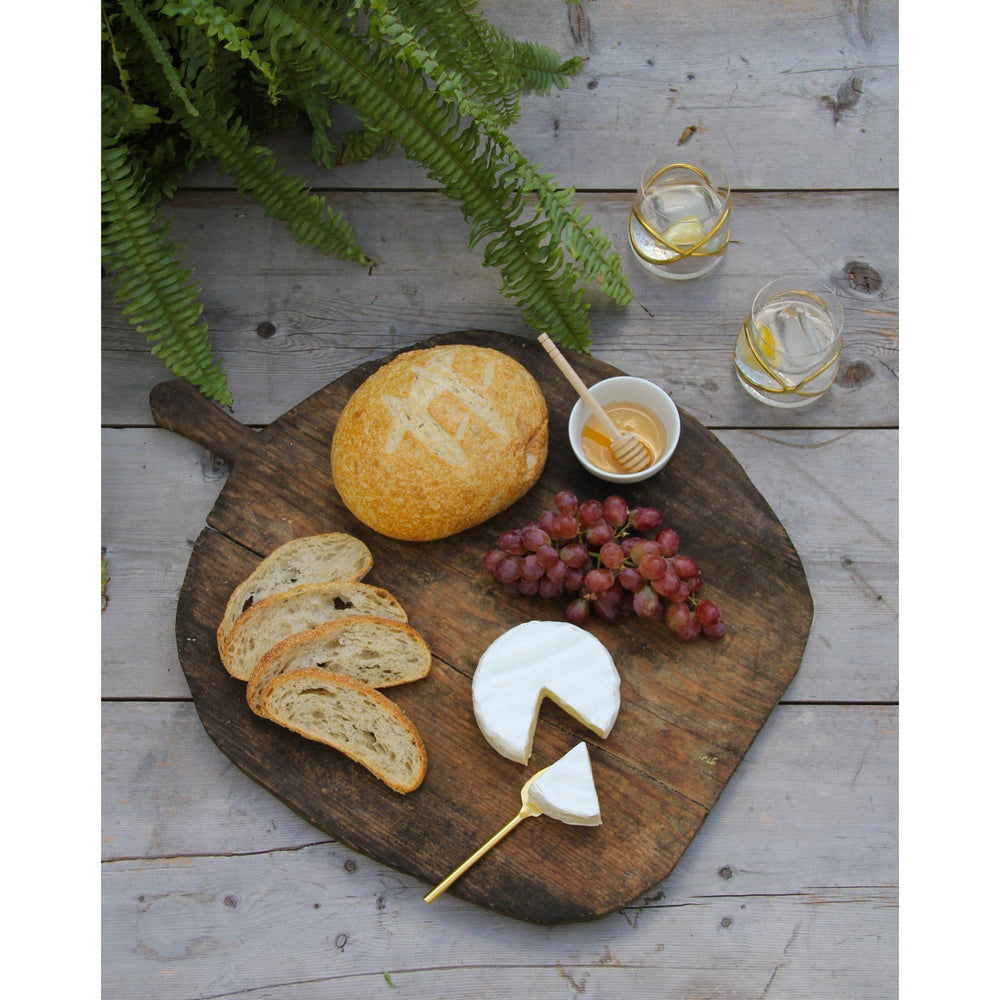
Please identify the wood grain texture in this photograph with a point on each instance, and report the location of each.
(689, 712)
(788, 95)
(811, 775)
(212, 909)
(286, 320)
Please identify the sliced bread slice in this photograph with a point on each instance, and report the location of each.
(378, 651)
(312, 559)
(265, 623)
(351, 717)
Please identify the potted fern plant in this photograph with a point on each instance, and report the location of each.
(196, 80)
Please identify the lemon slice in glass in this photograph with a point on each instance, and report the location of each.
(686, 232)
(767, 342)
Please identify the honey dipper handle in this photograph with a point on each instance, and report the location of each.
(574, 380)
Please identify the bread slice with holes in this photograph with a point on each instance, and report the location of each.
(312, 559)
(352, 717)
(266, 623)
(380, 652)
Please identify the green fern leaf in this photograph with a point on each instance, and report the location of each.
(219, 23)
(283, 196)
(186, 80)
(501, 65)
(158, 51)
(363, 144)
(158, 296)
(430, 131)
(539, 68)
(464, 46)
(254, 167)
(407, 40)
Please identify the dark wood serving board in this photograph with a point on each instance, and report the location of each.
(688, 712)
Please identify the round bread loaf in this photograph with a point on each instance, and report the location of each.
(439, 440)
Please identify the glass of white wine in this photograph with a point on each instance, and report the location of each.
(679, 223)
(788, 350)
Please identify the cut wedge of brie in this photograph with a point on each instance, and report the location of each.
(565, 790)
(539, 660)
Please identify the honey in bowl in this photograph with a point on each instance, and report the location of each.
(634, 417)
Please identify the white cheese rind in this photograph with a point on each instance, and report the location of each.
(565, 790)
(536, 660)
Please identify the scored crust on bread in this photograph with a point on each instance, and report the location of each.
(438, 440)
(311, 559)
(380, 652)
(267, 622)
(351, 717)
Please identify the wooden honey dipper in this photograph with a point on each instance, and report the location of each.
(627, 449)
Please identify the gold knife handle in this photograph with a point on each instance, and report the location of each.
(526, 810)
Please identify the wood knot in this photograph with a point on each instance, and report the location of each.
(266, 330)
(350, 865)
(854, 375)
(862, 277)
(579, 25)
(726, 872)
(848, 95)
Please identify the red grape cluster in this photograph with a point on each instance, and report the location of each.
(596, 554)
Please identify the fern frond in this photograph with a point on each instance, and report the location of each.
(221, 24)
(254, 168)
(283, 196)
(363, 144)
(118, 58)
(541, 68)
(158, 296)
(505, 65)
(123, 116)
(159, 53)
(464, 42)
(430, 131)
(211, 71)
(406, 39)
(588, 246)
(186, 80)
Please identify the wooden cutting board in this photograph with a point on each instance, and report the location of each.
(688, 712)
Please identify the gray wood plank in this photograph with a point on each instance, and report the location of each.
(283, 926)
(286, 320)
(267, 927)
(156, 491)
(795, 784)
(804, 897)
(835, 492)
(800, 95)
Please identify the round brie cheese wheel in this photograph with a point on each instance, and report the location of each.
(565, 790)
(539, 660)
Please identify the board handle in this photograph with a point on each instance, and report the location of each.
(178, 406)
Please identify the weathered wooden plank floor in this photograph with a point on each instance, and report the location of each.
(189, 906)
(211, 888)
(286, 320)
